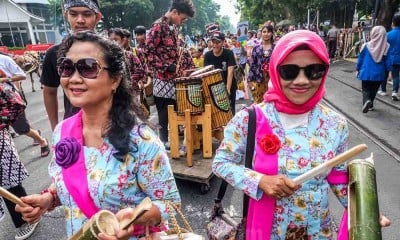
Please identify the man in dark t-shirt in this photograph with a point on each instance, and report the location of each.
(82, 15)
(223, 59)
(51, 79)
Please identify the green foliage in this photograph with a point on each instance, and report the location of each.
(130, 13)
(126, 13)
(337, 11)
(56, 14)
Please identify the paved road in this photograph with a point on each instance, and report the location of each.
(197, 206)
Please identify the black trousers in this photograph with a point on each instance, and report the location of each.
(232, 98)
(369, 90)
(332, 48)
(16, 217)
(162, 111)
(21, 125)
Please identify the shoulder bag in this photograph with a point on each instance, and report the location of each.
(222, 226)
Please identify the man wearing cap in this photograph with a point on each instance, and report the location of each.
(163, 58)
(82, 15)
(223, 59)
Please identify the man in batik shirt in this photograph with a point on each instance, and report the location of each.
(163, 58)
(136, 69)
(140, 35)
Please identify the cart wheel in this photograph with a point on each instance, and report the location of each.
(204, 188)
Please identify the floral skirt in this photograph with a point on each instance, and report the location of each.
(296, 234)
(258, 90)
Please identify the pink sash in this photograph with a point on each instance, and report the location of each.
(259, 225)
(336, 177)
(75, 176)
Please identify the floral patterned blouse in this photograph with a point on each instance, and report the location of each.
(258, 58)
(302, 149)
(115, 185)
(162, 48)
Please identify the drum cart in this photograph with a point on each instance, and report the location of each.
(202, 100)
(196, 165)
(200, 172)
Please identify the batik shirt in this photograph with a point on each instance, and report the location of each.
(258, 58)
(114, 185)
(303, 148)
(162, 48)
(186, 62)
(139, 52)
(137, 70)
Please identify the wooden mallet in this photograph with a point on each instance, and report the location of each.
(9, 196)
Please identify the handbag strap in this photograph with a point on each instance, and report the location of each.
(248, 159)
(170, 206)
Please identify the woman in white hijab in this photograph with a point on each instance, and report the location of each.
(373, 66)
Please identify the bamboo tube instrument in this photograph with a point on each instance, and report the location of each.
(325, 167)
(363, 201)
(105, 222)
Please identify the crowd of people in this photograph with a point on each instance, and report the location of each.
(107, 155)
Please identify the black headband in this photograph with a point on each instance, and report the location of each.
(91, 4)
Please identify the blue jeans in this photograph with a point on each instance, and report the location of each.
(395, 77)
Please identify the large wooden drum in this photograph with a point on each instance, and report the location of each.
(189, 95)
(215, 94)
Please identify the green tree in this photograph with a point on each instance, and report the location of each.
(126, 13)
(57, 17)
(337, 11)
(386, 11)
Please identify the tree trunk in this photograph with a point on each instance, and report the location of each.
(387, 10)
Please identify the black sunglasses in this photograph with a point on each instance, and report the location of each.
(289, 72)
(86, 67)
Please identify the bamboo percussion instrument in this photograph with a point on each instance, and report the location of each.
(9, 196)
(325, 167)
(363, 201)
(105, 222)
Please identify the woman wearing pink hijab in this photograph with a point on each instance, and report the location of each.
(294, 133)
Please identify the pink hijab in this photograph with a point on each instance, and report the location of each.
(283, 48)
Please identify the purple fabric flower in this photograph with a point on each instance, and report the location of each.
(67, 152)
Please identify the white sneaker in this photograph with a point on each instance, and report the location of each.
(395, 97)
(182, 150)
(25, 231)
(382, 93)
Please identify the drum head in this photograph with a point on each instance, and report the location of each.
(187, 79)
(202, 70)
(215, 71)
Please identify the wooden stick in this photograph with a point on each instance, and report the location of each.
(7, 195)
(323, 168)
(139, 210)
